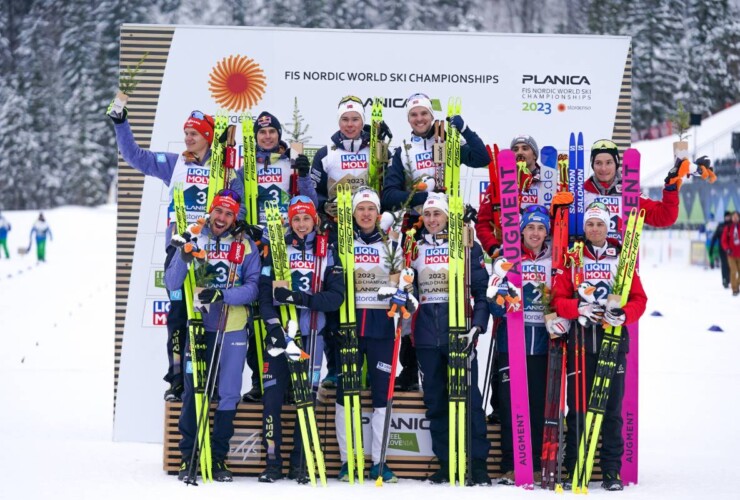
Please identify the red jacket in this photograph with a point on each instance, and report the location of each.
(488, 227)
(565, 303)
(731, 239)
(657, 213)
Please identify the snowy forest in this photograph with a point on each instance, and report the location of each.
(59, 65)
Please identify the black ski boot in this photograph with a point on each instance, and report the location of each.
(612, 481)
(479, 474)
(254, 395)
(442, 475)
(184, 473)
(299, 474)
(271, 474)
(221, 472)
(174, 393)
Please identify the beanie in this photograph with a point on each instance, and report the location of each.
(535, 213)
(267, 120)
(365, 194)
(351, 104)
(202, 123)
(528, 140)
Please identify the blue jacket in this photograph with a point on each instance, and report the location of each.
(473, 154)
(328, 299)
(432, 321)
(244, 294)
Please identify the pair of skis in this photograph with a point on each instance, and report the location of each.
(299, 368)
(349, 351)
(378, 148)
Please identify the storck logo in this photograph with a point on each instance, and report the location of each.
(533, 273)
(597, 271)
(197, 175)
(436, 255)
(352, 161)
(424, 160)
(367, 255)
(297, 261)
(270, 176)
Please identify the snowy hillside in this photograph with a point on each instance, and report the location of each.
(56, 367)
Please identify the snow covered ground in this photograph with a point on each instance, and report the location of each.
(56, 367)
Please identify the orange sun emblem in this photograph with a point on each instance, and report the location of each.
(237, 83)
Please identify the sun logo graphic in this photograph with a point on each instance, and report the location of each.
(237, 83)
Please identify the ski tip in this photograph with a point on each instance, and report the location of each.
(379, 482)
(559, 489)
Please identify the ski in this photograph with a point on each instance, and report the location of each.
(512, 252)
(630, 200)
(378, 148)
(197, 340)
(349, 343)
(607, 361)
(552, 439)
(216, 177)
(579, 194)
(298, 368)
(452, 148)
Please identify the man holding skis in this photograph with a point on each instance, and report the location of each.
(230, 288)
(597, 272)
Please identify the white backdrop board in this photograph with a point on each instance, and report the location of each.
(541, 85)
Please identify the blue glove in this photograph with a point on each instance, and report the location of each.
(458, 122)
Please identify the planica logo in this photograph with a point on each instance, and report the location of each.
(556, 79)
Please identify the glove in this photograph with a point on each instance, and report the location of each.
(254, 232)
(590, 313)
(285, 296)
(117, 112)
(210, 295)
(302, 165)
(561, 199)
(471, 336)
(681, 168)
(385, 131)
(557, 326)
(391, 220)
(412, 304)
(458, 122)
(276, 338)
(615, 316)
(470, 215)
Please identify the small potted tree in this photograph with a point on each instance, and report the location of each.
(680, 122)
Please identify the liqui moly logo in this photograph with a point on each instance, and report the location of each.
(482, 188)
(197, 175)
(298, 261)
(352, 161)
(530, 197)
(270, 176)
(597, 271)
(366, 255)
(534, 273)
(160, 309)
(612, 203)
(436, 256)
(424, 160)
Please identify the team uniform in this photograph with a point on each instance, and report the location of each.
(234, 340)
(599, 269)
(304, 264)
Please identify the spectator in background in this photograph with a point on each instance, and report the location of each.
(717, 240)
(4, 229)
(731, 246)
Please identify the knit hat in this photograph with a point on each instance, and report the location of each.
(301, 205)
(436, 200)
(202, 123)
(227, 199)
(351, 103)
(535, 213)
(267, 120)
(365, 194)
(529, 141)
(604, 146)
(419, 101)
(597, 210)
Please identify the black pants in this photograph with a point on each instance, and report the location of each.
(536, 385)
(177, 329)
(252, 360)
(612, 444)
(725, 268)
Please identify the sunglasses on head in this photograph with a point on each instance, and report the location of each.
(536, 209)
(604, 144)
(300, 199)
(350, 98)
(418, 95)
(598, 204)
(230, 193)
(199, 115)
